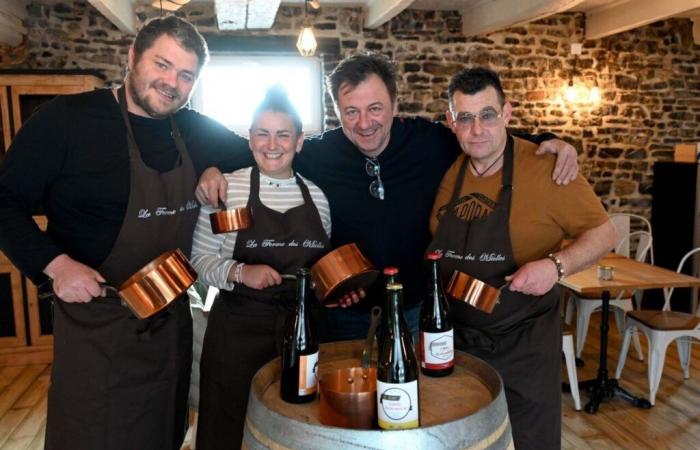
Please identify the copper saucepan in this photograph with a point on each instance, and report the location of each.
(230, 220)
(157, 284)
(465, 288)
(348, 397)
(342, 270)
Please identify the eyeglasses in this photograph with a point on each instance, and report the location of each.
(487, 118)
(376, 187)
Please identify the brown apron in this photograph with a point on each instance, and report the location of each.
(522, 337)
(246, 326)
(118, 382)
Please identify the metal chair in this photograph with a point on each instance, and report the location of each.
(661, 328)
(568, 349)
(621, 301)
(626, 223)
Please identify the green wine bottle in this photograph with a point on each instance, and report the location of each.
(397, 368)
(298, 382)
(436, 342)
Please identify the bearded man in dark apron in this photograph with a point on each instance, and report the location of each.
(499, 218)
(118, 191)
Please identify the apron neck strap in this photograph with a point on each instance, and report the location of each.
(304, 190)
(506, 173)
(121, 96)
(133, 147)
(255, 183)
(255, 186)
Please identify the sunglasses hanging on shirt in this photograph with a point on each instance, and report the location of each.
(376, 187)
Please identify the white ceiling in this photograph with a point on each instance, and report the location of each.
(603, 17)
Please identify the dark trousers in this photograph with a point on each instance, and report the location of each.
(242, 335)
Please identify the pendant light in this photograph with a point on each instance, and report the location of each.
(578, 93)
(571, 94)
(306, 44)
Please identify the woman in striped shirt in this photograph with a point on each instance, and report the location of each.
(291, 229)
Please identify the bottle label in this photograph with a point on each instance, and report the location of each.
(307, 373)
(437, 350)
(397, 405)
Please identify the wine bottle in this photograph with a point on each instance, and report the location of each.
(436, 341)
(298, 383)
(397, 369)
(391, 275)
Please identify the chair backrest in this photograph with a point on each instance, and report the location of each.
(640, 241)
(626, 223)
(669, 291)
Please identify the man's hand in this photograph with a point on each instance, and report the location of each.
(350, 298)
(566, 167)
(74, 282)
(259, 276)
(534, 278)
(212, 186)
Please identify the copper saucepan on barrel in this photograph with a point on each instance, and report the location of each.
(340, 271)
(465, 288)
(157, 284)
(230, 220)
(349, 396)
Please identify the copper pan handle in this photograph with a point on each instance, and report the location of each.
(500, 290)
(286, 276)
(104, 286)
(108, 287)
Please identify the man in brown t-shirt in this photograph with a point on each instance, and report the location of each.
(499, 218)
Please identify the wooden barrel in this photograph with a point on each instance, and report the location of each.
(465, 410)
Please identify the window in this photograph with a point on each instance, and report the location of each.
(231, 86)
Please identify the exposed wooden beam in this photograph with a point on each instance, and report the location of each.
(381, 11)
(261, 14)
(230, 14)
(11, 23)
(696, 28)
(12, 12)
(620, 17)
(246, 14)
(486, 16)
(119, 12)
(17, 8)
(10, 37)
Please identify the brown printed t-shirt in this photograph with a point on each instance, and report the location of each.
(542, 213)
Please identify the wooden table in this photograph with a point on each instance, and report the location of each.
(628, 275)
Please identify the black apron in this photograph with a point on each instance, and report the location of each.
(246, 326)
(522, 337)
(118, 382)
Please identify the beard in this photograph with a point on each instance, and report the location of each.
(139, 92)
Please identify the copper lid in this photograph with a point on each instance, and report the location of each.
(434, 256)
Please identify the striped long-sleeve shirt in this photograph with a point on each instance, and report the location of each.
(212, 254)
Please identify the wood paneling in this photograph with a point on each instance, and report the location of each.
(20, 336)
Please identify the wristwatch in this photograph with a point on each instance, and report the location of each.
(557, 262)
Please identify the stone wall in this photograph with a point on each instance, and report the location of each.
(649, 77)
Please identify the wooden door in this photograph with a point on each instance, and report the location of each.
(12, 328)
(5, 129)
